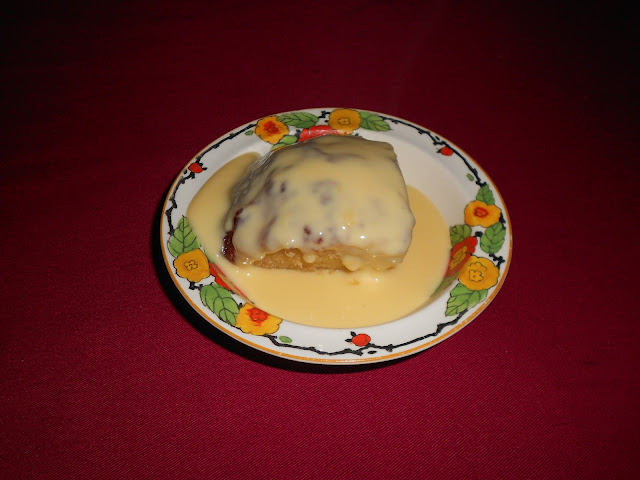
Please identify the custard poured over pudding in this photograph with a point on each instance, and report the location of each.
(335, 202)
(347, 282)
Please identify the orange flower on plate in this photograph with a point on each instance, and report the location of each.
(460, 253)
(478, 274)
(344, 120)
(271, 130)
(193, 265)
(252, 320)
(479, 213)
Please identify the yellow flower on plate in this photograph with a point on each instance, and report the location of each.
(271, 130)
(345, 120)
(479, 213)
(255, 321)
(193, 265)
(478, 273)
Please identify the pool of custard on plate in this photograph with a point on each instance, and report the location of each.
(330, 299)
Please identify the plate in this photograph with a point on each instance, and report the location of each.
(468, 200)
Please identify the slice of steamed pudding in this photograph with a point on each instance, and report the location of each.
(334, 202)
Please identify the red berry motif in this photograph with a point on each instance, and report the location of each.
(446, 151)
(218, 276)
(361, 340)
(195, 167)
(317, 131)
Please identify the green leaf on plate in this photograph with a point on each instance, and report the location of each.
(486, 195)
(461, 299)
(299, 119)
(444, 284)
(470, 177)
(220, 302)
(493, 238)
(183, 239)
(284, 339)
(457, 233)
(286, 140)
(371, 121)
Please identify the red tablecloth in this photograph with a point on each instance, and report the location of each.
(105, 375)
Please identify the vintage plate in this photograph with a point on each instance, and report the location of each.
(462, 191)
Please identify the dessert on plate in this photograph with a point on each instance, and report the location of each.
(334, 202)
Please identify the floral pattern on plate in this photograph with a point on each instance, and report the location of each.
(479, 259)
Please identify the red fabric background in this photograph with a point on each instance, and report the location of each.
(106, 374)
